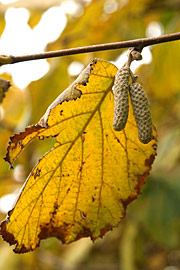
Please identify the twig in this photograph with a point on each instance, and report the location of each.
(137, 43)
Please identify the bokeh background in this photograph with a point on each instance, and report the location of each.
(149, 237)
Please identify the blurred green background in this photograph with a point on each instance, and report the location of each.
(149, 237)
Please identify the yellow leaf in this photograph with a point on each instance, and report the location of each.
(83, 185)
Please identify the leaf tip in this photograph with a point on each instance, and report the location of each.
(7, 158)
(8, 237)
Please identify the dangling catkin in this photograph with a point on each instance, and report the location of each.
(120, 91)
(141, 112)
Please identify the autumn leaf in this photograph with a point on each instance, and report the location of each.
(4, 85)
(83, 185)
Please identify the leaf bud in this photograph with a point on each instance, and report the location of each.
(120, 91)
(141, 112)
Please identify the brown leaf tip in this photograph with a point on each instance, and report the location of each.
(17, 139)
(6, 235)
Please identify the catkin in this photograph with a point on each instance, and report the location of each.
(120, 91)
(141, 112)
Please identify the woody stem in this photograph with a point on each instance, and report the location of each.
(137, 43)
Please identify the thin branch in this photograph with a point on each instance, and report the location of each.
(137, 43)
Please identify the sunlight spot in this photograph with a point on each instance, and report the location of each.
(50, 27)
(75, 68)
(154, 29)
(24, 73)
(7, 201)
(110, 6)
(71, 7)
(1, 113)
(19, 39)
(19, 173)
(6, 2)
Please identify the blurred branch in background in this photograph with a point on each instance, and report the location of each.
(127, 247)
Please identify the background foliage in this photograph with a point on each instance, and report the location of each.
(149, 236)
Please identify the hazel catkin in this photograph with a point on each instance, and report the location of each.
(120, 91)
(141, 112)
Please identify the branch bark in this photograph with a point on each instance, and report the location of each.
(137, 43)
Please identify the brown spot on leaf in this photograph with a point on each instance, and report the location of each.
(37, 174)
(149, 161)
(85, 232)
(10, 212)
(41, 137)
(48, 230)
(107, 228)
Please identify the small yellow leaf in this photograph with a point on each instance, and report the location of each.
(83, 185)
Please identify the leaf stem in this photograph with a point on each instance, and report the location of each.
(137, 43)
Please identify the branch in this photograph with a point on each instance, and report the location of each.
(137, 43)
